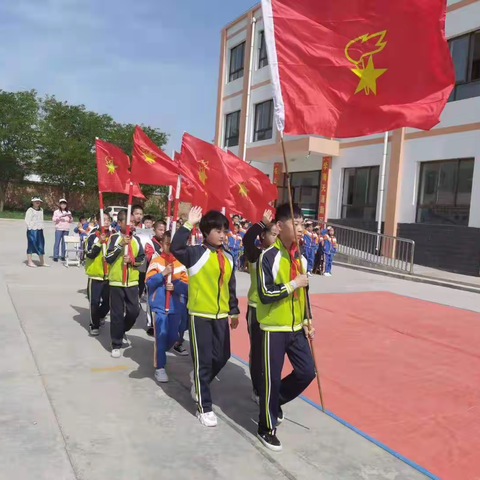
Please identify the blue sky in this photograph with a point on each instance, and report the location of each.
(143, 61)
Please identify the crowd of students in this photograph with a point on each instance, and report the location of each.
(320, 247)
(190, 284)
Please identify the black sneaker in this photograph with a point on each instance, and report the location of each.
(150, 332)
(55, 260)
(62, 259)
(180, 350)
(270, 440)
(281, 417)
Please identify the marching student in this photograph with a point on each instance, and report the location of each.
(148, 221)
(234, 243)
(166, 324)
(124, 306)
(211, 301)
(62, 218)
(137, 217)
(35, 236)
(319, 257)
(309, 245)
(267, 232)
(153, 249)
(98, 287)
(282, 315)
(330, 249)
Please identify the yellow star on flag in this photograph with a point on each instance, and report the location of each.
(202, 171)
(242, 190)
(368, 77)
(149, 158)
(111, 167)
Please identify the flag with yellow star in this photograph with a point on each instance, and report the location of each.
(203, 167)
(349, 68)
(113, 169)
(150, 164)
(251, 189)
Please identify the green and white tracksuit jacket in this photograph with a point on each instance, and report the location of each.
(282, 307)
(208, 296)
(115, 253)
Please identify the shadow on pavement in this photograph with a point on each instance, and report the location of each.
(83, 319)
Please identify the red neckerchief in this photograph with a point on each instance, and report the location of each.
(169, 258)
(294, 267)
(294, 270)
(156, 243)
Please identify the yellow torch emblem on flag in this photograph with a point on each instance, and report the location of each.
(111, 167)
(364, 67)
(202, 171)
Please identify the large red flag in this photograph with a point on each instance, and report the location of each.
(150, 165)
(187, 193)
(113, 167)
(347, 68)
(251, 189)
(204, 167)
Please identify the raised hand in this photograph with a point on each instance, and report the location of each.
(195, 215)
(267, 217)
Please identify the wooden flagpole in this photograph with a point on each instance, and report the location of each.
(309, 310)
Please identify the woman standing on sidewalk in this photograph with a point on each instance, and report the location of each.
(62, 219)
(35, 237)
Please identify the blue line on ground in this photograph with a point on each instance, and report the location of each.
(363, 434)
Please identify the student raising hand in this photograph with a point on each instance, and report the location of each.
(195, 215)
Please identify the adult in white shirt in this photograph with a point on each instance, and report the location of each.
(35, 237)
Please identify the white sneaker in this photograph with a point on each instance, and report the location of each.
(310, 274)
(94, 332)
(193, 391)
(255, 398)
(208, 419)
(327, 275)
(116, 353)
(126, 341)
(161, 375)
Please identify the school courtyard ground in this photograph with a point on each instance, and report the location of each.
(399, 363)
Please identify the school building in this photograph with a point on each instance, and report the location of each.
(432, 182)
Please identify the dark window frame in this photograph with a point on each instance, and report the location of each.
(421, 206)
(234, 73)
(231, 140)
(366, 204)
(262, 51)
(261, 134)
(298, 191)
(469, 81)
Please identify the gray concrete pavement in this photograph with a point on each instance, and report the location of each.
(70, 411)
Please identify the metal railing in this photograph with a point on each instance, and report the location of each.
(383, 250)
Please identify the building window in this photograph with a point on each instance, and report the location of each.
(305, 192)
(360, 190)
(237, 55)
(465, 52)
(262, 56)
(445, 192)
(232, 125)
(263, 121)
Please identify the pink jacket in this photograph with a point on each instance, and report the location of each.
(62, 220)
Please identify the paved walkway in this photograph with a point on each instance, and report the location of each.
(69, 411)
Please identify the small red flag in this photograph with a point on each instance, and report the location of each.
(347, 68)
(150, 165)
(204, 167)
(113, 166)
(251, 189)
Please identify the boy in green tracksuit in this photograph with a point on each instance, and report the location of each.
(281, 313)
(211, 301)
(124, 306)
(96, 269)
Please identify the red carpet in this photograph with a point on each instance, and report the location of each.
(404, 371)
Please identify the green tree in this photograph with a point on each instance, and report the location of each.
(18, 137)
(66, 154)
